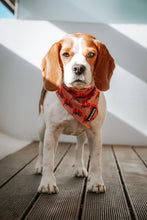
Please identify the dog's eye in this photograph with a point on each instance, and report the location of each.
(66, 54)
(90, 55)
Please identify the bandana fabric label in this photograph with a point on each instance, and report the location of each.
(82, 104)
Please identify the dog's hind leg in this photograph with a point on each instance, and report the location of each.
(39, 163)
(80, 170)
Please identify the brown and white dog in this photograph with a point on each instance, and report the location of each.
(80, 62)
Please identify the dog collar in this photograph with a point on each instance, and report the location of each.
(82, 104)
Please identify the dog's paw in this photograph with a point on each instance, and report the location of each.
(96, 186)
(81, 172)
(49, 187)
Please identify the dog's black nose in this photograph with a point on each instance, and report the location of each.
(78, 69)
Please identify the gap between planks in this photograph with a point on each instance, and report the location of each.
(128, 199)
(134, 176)
(18, 160)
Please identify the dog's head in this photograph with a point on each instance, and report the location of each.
(78, 60)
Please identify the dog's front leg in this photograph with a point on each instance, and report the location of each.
(80, 170)
(95, 183)
(48, 181)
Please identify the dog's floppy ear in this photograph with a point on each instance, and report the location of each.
(103, 68)
(52, 68)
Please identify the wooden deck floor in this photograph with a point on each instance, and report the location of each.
(124, 173)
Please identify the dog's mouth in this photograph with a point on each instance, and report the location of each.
(79, 81)
(79, 84)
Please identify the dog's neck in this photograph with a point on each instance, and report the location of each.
(84, 92)
(82, 104)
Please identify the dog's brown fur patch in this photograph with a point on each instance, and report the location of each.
(42, 97)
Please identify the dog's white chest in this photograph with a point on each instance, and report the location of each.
(56, 116)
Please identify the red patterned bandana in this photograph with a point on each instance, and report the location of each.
(82, 104)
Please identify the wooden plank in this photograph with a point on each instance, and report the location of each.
(112, 204)
(135, 178)
(142, 152)
(16, 195)
(65, 204)
(11, 164)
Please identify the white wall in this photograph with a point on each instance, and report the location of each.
(24, 43)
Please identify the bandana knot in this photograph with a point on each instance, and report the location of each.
(82, 104)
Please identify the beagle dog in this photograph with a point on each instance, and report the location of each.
(75, 72)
